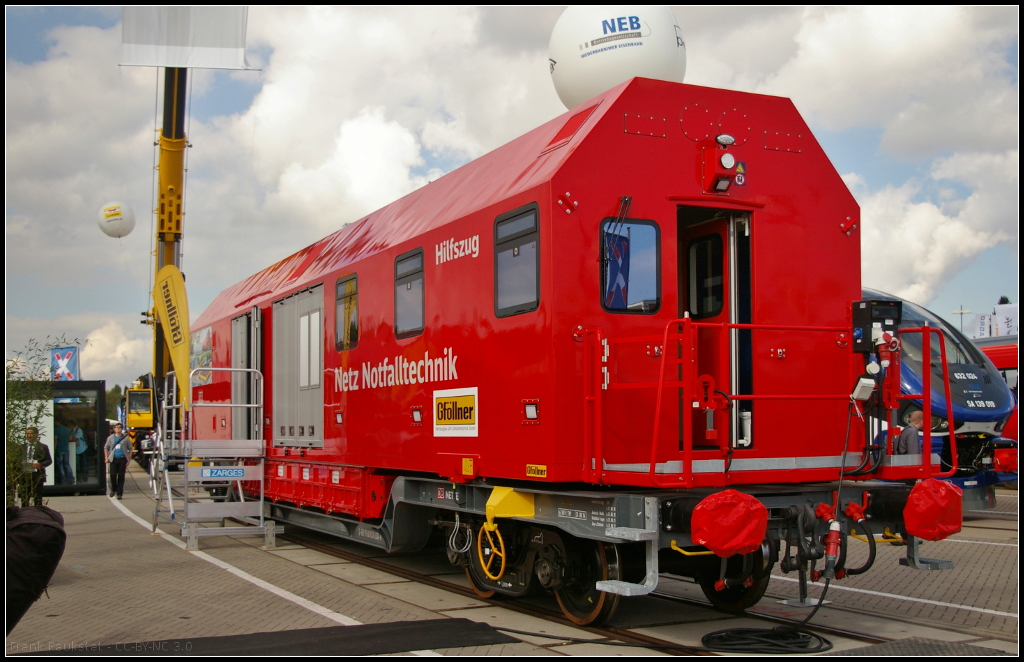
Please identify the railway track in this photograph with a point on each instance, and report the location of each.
(612, 633)
(624, 631)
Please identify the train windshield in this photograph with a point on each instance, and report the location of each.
(959, 349)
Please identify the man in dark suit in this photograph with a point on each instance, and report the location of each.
(36, 459)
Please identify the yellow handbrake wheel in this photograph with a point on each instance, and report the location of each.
(495, 550)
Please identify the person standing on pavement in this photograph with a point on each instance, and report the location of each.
(909, 441)
(62, 453)
(78, 439)
(117, 452)
(36, 459)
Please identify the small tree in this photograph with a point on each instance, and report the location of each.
(113, 397)
(1003, 300)
(29, 394)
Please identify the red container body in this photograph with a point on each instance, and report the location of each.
(649, 140)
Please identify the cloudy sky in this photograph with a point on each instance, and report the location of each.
(354, 107)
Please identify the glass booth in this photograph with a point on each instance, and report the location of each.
(75, 429)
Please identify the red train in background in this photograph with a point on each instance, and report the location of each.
(1004, 353)
(587, 357)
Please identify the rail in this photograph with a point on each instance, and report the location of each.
(212, 462)
(184, 438)
(926, 402)
(699, 391)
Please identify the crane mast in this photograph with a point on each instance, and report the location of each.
(171, 169)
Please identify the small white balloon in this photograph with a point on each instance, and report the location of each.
(593, 49)
(116, 219)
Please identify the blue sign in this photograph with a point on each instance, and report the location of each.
(223, 473)
(617, 271)
(64, 364)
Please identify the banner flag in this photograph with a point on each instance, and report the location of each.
(1005, 320)
(189, 37)
(171, 305)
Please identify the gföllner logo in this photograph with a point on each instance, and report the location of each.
(456, 413)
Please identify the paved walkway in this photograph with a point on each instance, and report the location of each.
(118, 583)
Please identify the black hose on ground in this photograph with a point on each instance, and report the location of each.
(780, 640)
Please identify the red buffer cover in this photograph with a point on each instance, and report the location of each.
(1005, 460)
(729, 523)
(934, 510)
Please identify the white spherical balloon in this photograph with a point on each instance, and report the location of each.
(116, 219)
(593, 49)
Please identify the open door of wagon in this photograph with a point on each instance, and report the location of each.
(714, 287)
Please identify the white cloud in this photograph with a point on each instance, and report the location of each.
(112, 352)
(114, 348)
(911, 246)
(354, 104)
(369, 167)
(935, 78)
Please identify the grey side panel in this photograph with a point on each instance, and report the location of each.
(255, 363)
(310, 398)
(285, 375)
(240, 387)
(298, 374)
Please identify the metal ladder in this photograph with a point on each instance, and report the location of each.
(208, 490)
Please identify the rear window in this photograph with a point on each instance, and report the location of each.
(516, 263)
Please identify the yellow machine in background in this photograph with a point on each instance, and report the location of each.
(138, 410)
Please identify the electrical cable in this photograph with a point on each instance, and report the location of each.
(780, 640)
(783, 639)
(455, 532)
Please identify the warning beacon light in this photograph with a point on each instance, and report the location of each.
(719, 164)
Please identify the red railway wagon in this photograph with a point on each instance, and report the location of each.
(585, 356)
(1005, 354)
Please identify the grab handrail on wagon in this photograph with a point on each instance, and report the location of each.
(926, 400)
(597, 378)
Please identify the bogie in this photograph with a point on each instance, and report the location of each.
(543, 559)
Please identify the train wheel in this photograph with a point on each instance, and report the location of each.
(483, 561)
(580, 600)
(735, 599)
(484, 593)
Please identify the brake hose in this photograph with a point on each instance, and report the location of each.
(871, 549)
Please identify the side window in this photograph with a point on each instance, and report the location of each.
(346, 330)
(630, 266)
(409, 294)
(516, 263)
(707, 282)
(309, 350)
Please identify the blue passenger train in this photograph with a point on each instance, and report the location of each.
(982, 402)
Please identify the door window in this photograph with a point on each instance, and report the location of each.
(706, 276)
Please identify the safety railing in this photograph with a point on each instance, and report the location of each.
(695, 388)
(926, 399)
(182, 442)
(214, 464)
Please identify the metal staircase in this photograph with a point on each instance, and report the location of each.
(199, 482)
